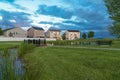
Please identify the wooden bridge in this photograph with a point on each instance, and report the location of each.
(37, 42)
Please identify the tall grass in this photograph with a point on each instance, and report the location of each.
(8, 60)
(25, 48)
(7, 66)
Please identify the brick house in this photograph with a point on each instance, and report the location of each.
(36, 32)
(54, 34)
(15, 32)
(72, 34)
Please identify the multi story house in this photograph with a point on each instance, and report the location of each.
(35, 32)
(15, 32)
(72, 34)
(54, 34)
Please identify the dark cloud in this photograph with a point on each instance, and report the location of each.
(96, 16)
(20, 18)
(43, 22)
(18, 6)
(55, 11)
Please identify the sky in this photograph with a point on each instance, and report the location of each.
(82, 15)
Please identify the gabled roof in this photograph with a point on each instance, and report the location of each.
(12, 28)
(53, 30)
(73, 30)
(38, 28)
(7, 29)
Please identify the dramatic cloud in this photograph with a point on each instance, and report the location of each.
(14, 19)
(83, 15)
(54, 11)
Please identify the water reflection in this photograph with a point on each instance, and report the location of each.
(11, 67)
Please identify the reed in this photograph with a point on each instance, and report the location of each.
(25, 48)
(8, 69)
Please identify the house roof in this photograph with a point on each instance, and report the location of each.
(73, 30)
(12, 28)
(7, 29)
(38, 28)
(53, 30)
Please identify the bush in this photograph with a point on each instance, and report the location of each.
(104, 42)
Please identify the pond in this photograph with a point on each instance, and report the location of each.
(11, 66)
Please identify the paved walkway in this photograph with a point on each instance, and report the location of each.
(89, 48)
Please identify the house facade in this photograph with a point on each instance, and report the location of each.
(72, 34)
(54, 34)
(15, 32)
(36, 32)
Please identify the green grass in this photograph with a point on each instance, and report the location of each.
(25, 48)
(7, 61)
(9, 44)
(50, 63)
(116, 44)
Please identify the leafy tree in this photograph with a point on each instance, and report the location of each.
(84, 35)
(64, 36)
(113, 7)
(115, 29)
(91, 34)
(1, 32)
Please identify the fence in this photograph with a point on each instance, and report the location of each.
(22, 39)
(37, 42)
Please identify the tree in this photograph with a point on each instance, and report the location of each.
(84, 35)
(91, 34)
(64, 36)
(1, 32)
(115, 29)
(113, 7)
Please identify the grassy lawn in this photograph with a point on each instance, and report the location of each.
(9, 44)
(116, 44)
(50, 63)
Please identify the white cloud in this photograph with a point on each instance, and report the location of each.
(25, 28)
(78, 19)
(43, 18)
(44, 26)
(1, 17)
(11, 8)
(38, 18)
(13, 21)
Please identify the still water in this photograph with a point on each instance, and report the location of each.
(11, 66)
